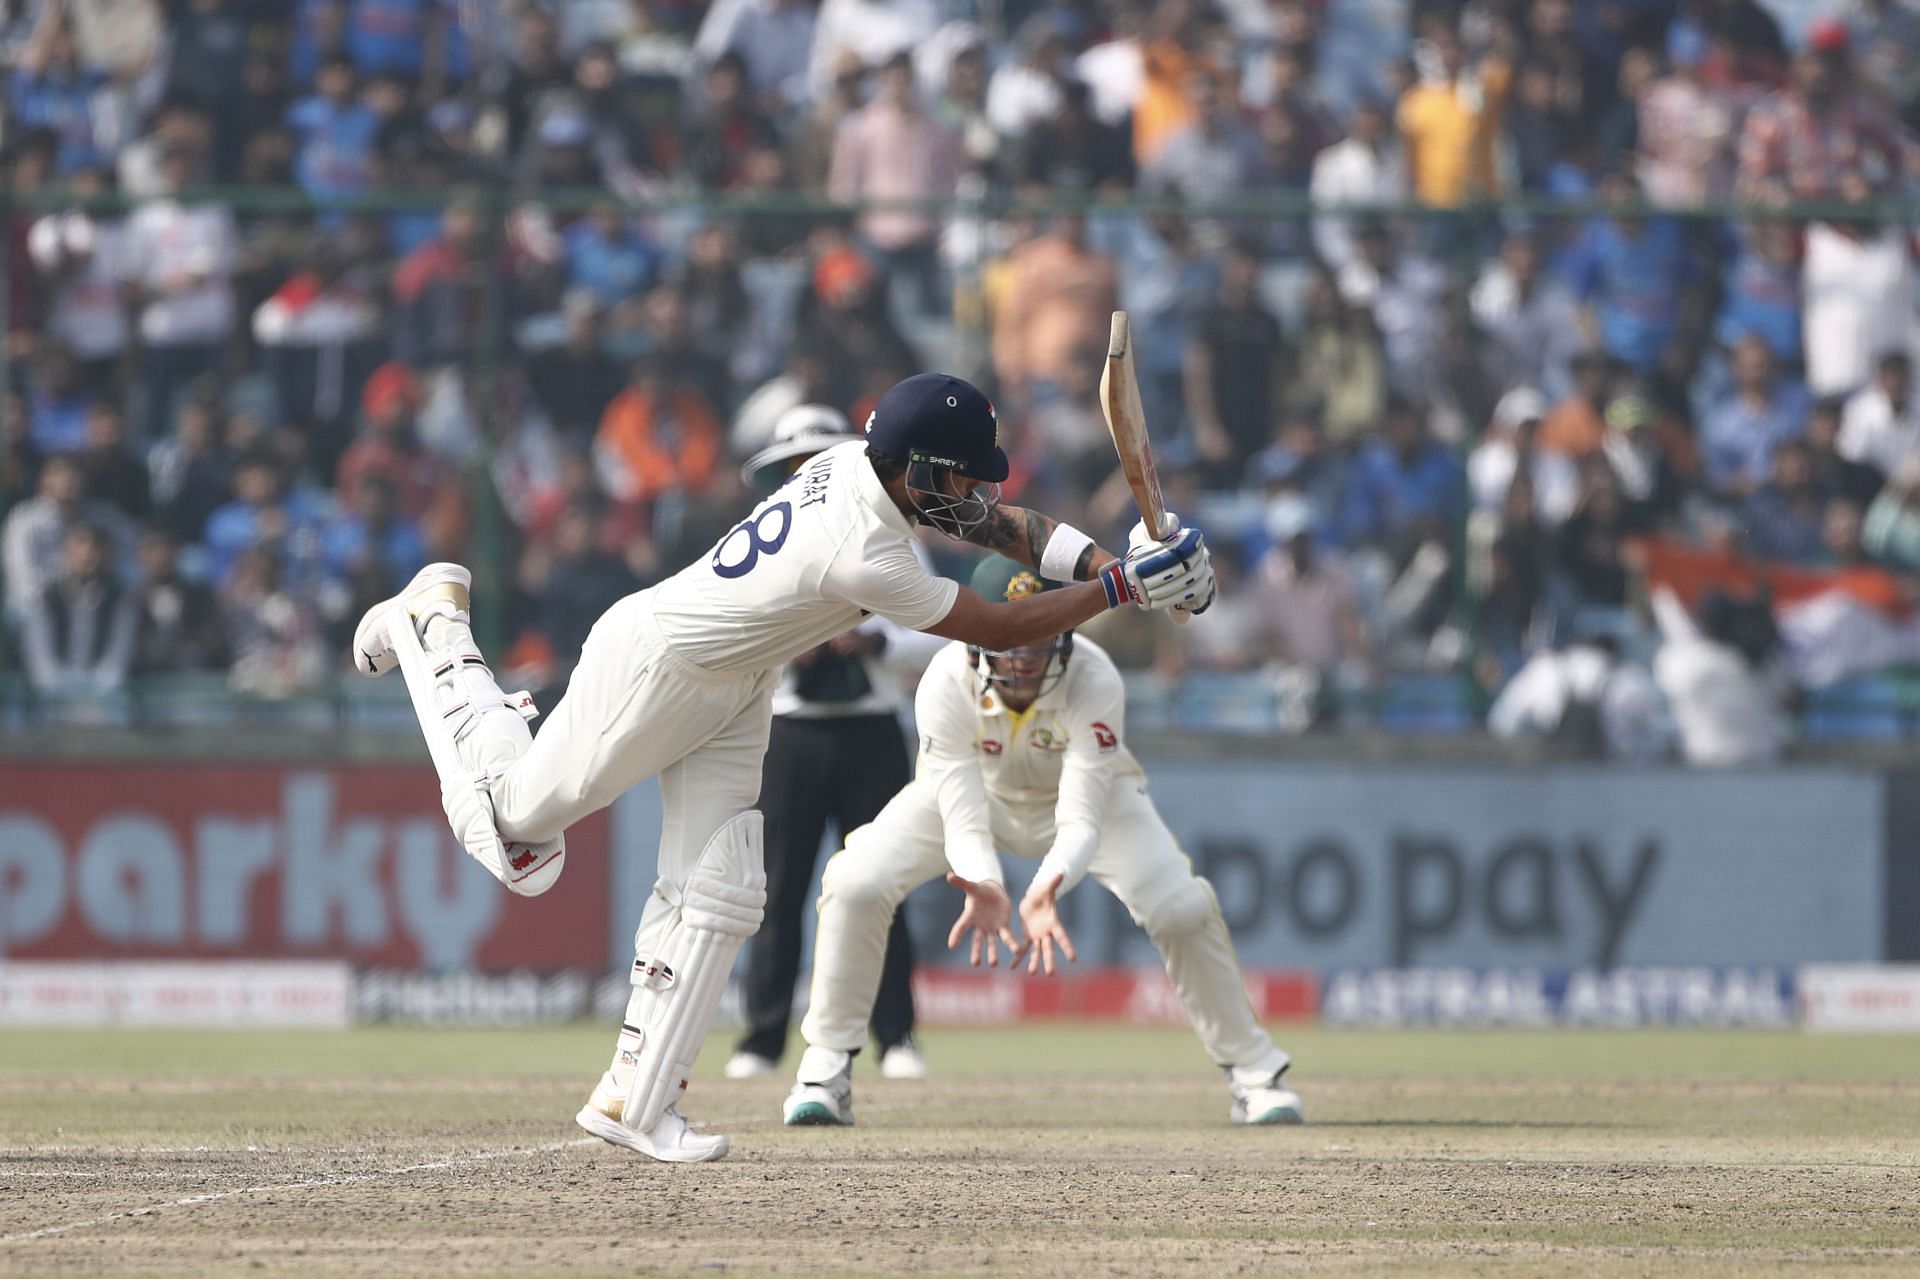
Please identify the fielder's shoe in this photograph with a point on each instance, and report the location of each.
(1265, 1103)
(372, 651)
(672, 1140)
(746, 1065)
(823, 1093)
(903, 1061)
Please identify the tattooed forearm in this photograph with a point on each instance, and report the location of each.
(1022, 535)
(1016, 533)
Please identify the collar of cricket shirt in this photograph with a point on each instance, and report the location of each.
(875, 494)
(990, 704)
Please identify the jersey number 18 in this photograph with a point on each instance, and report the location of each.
(754, 530)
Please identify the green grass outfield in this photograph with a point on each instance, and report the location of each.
(1756, 1056)
(1051, 1152)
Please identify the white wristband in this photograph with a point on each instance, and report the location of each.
(1063, 552)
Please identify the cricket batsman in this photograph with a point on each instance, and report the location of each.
(677, 681)
(1023, 749)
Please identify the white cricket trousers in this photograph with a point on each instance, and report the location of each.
(634, 709)
(1138, 861)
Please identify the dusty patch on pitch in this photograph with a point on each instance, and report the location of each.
(1066, 1178)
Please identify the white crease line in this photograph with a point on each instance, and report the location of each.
(311, 1183)
(81, 1151)
(72, 1176)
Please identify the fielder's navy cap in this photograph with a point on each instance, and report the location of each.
(942, 419)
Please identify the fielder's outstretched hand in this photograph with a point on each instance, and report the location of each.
(1040, 917)
(988, 915)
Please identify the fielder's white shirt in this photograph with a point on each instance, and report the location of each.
(1044, 774)
(822, 552)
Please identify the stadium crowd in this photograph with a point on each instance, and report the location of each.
(1570, 422)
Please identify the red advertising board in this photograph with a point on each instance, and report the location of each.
(257, 861)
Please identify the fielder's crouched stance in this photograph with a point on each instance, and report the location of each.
(677, 680)
(1023, 751)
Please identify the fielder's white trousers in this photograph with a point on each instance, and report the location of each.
(632, 710)
(1138, 861)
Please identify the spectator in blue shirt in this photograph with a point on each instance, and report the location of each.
(418, 39)
(608, 258)
(57, 402)
(314, 29)
(262, 515)
(338, 134)
(1785, 518)
(372, 535)
(1634, 273)
(1739, 433)
(1762, 291)
(56, 93)
(1404, 488)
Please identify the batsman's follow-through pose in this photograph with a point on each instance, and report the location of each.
(1023, 750)
(677, 680)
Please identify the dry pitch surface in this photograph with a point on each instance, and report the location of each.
(1039, 1153)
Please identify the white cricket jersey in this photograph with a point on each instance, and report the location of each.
(1045, 773)
(823, 551)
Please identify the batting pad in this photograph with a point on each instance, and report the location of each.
(719, 907)
(455, 698)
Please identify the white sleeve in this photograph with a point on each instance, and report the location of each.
(950, 763)
(716, 32)
(1855, 440)
(1532, 701)
(1095, 721)
(888, 581)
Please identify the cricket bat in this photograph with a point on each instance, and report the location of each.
(1127, 422)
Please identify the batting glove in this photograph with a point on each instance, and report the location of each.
(1163, 575)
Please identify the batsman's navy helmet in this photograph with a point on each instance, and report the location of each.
(941, 420)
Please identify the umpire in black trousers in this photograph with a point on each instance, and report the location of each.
(837, 754)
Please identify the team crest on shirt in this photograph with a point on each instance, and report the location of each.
(1105, 738)
(1043, 739)
(1021, 585)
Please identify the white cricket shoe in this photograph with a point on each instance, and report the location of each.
(903, 1061)
(1267, 1103)
(672, 1140)
(373, 653)
(823, 1093)
(819, 1105)
(745, 1065)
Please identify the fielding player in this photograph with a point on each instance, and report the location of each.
(1021, 749)
(677, 680)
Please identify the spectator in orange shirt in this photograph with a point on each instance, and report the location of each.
(1577, 425)
(1450, 124)
(1168, 64)
(658, 435)
(1057, 311)
(388, 447)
